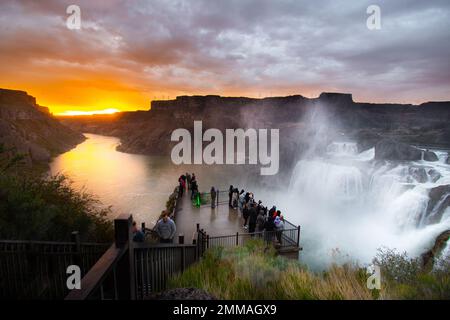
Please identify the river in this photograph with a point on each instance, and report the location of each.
(131, 183)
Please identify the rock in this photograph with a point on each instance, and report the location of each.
(419, 174)
(31, 130)
(184, 294)
(439, 201)
(428, 258)
(434, 175)
(448, 159)
(430, 156)
(388, 149)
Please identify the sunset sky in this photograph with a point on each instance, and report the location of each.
(128, 53)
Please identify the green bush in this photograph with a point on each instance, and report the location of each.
(38, 208)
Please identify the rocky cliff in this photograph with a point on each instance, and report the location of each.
(335, 114)
(29, 129)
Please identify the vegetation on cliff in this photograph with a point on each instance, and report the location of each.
(33, 207)
(255, 272)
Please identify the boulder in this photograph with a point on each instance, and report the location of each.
(434, 175)
(388, 149)
(439, 201)
(428, 258)
(419, 174)
(430, 156)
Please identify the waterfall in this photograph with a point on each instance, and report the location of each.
(346, 200)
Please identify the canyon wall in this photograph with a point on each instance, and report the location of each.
(29, 129)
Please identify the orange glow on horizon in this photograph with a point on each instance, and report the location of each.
(87, 113)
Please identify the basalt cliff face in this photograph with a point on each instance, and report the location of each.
(29, 129)
(336, 115)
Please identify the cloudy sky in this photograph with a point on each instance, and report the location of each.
(130, 52)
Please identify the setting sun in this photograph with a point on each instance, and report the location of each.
(87, 113)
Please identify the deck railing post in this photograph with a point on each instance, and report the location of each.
(298, 236)
(75, 237)
(183, 259)
(237, 238)
(126, 273)
(207, 241)
(180, 239)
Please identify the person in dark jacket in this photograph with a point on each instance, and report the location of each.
(245, 214)
(260, 221)
(138, 235)
(253, 215)
(269, 229)
(188, 180)
(194, 188)
(213, 197)
(230, 196)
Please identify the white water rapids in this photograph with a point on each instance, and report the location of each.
(349, 205)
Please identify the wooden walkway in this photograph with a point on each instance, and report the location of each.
(219, 221)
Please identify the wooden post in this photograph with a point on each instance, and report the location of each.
(126, 282)
(207, 241)
(183, 258)
(75, 237)
(122, 230)
(298, 236)
(180, 239)
(237, 239)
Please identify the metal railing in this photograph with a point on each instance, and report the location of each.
(280, 239)
(37, 269)
(131, 270)
(154, 265)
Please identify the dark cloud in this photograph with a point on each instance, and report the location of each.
(237, 46)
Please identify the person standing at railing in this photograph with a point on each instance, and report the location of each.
(138, 235)
(188, 180)
(260, 220)
(194, 188)
(253, 215)
(235, 197)
(241, 201)
(213, 197)
(165, 228)
(279, 227)
(182, 185)
(245, 214)
(230, 196)
(269, 229)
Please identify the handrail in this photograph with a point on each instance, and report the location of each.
(94, 278)
(65, 243)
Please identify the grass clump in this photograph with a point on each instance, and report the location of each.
(254, 271)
